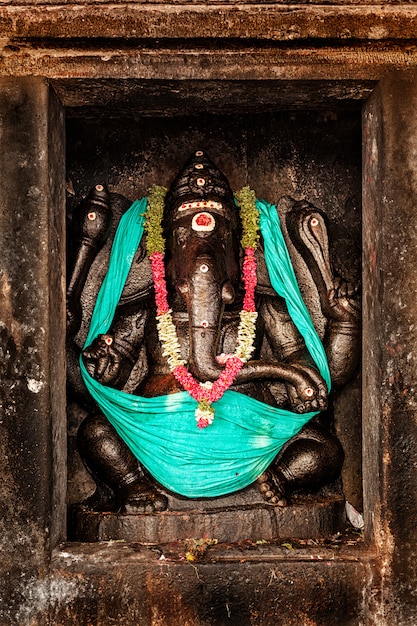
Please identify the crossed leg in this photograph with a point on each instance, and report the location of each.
(111, 462)
(311, 459)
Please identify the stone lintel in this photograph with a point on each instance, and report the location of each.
(347, 72)
(356, 43)
(272, 22)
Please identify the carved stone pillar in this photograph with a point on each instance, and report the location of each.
(390, 337)
(32, 391)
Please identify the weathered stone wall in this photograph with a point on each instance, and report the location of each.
(390, 311)
(32, 357)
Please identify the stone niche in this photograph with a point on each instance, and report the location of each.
(316, 102)
(313, 154)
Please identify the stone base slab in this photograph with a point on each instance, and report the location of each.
(234, 585)
(253, 522)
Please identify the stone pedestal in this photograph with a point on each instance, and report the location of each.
(229, 519)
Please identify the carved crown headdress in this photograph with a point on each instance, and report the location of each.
(200, 186)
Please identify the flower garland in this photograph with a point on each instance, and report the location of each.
(207, 392)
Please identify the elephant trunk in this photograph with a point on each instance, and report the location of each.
(206, 291)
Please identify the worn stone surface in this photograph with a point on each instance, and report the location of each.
(246, 584)
(32, 304)
(270, 22)
(358, 65)
(314, 517)
(222, 41)
(390, 317)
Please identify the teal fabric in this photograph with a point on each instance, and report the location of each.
(284, 281)
(246, 434)
(125, 244)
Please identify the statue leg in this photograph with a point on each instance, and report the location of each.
(111, 462)
(310, 460)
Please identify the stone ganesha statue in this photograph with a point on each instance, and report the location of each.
(206, 371)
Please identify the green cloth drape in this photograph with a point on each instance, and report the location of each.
(246, 434)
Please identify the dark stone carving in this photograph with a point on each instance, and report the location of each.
(279, 373)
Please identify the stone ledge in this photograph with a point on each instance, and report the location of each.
(354, 68)
(71, 556)
(229, 524)
(271, 22)
(233, 584)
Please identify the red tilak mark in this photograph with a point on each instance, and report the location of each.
(203, 220)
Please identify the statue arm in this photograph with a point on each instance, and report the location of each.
(111, 358)
(91, 224)
(339, 300)
(342, 336)
(287, 360)
(279, 329)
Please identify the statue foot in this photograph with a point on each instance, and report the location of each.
(272, 488)
(141, 498)
(101, 500)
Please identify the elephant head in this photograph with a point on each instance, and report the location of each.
(202, 233)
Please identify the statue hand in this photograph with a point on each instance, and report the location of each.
(310, 391)
(343, 302)
(105, 363)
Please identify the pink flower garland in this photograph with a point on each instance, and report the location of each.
(249, 279)
(233, 363)
(224, 381)
(206, 393)
(158, 273)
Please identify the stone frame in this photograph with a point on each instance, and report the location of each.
(45, 581)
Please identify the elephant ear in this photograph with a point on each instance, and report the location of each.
(285, 207)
